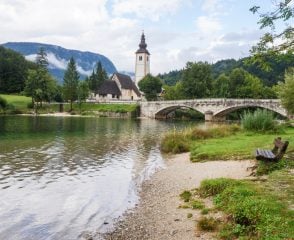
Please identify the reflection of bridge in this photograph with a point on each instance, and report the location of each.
(213, 109)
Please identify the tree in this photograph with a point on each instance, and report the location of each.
(97, 78)
(101, 74)
(197, 80)
(83, 92)
(40, 86)
(70, 82)
(274, 41)
(150, 86)
(286, 91)
(173, 92)
(41, 59)
(221, 86)
(13, 71)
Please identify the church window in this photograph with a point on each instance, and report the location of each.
(147, 58)
(140, 58)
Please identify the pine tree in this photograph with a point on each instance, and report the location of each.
(71, 82)
(101, 74)
(97, 78)
(41, 58)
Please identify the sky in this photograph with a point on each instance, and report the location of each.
(176, 31)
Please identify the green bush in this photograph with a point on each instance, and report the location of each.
(186, 195)
(175, 142)
(205, 211)
(30, 105)
(207, 224)
(259, 121)
(3, 103)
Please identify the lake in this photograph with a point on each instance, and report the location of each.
(61, 177)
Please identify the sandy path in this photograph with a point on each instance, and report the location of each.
(158, 216)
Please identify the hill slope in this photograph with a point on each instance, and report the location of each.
(58, 58)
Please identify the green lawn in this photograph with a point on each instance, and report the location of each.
(239, 146)
(19, 102)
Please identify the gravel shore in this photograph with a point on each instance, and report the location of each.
(157, 216)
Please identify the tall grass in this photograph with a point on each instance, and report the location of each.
(180, 141)
(259, 121)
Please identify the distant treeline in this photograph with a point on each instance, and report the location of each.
(278, 64)
(227, 78)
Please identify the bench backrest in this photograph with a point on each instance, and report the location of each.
(282, 150)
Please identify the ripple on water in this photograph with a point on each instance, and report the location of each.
(70, 175)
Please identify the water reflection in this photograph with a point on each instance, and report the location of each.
(62, 176)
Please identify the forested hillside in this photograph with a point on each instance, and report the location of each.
(13, 71)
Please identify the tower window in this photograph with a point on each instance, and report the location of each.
(140, 58)
(147, 58)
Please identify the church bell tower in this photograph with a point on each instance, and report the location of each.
(142, 60)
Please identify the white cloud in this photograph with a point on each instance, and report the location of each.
(152, 9)
(208, 25)
(113, 28)
(55, 62)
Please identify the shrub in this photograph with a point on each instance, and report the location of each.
(186, 195)
(196, 204)
(259, 121)
(207, 224)
(205, 211)
(30, 105)
(175, 143)
(3, 103)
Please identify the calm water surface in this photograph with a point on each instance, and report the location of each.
(61, 177)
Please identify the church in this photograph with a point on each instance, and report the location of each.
(121, 86)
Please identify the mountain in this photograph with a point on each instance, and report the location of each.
(58, 58)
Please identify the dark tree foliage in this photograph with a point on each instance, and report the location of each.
(71, 82)
(171, 78)
(278, 64)
(197, 80)
(150, 86)
(223, 67)
(286, 91)
(97, 78)
(13, 71)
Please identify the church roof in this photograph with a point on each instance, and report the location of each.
(127, 83)
(109, 87)
(143, 45)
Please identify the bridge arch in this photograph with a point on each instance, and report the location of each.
(163, 112)
(223, 112)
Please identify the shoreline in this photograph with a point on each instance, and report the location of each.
(157, 215)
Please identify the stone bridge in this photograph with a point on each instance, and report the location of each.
(213, 109)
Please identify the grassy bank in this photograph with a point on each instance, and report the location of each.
(19, 104)
(262, 210)
(222, 143)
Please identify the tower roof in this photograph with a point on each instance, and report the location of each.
(143, 45)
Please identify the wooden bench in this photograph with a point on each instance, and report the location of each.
(272, 155)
